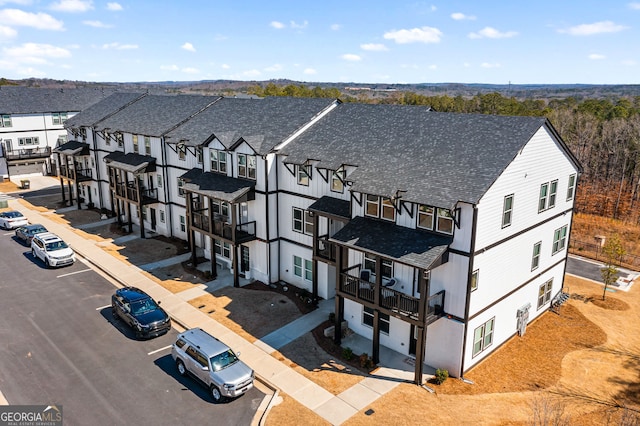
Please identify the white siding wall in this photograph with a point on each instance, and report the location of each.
(444, 345)
(452, 278)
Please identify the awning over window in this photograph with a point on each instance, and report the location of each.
(73, 148)
(408, 246)
(131, 162)
(332, 207)
(218, 186)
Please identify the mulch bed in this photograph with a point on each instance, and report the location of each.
(329, 346)
(298, 296)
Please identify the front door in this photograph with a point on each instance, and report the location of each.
(153, 219)
(244, 259)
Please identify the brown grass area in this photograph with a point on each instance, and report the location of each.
(174, 286)
(291, 413)
(8, 186)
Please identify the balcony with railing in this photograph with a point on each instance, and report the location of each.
(325, 249)
(28, 153)
(221, 228)
(78, 174)
(129, 192)
(391, 300)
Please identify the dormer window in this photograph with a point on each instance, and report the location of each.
(303, 174)
(218, 161)
(337, 180)
(381, 207)
(147, 145)
(135, 143)
(59, 117)
(444, 221)
(182, 152)
(247, 166)
(388, 210)
(426, 215)
(372, 205)
(119, 139)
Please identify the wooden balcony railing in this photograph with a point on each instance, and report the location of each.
(244, 231)
(22, 154)
(326, 250)
(76, 173)
(129, 191)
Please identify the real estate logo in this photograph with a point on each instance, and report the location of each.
(31, 415)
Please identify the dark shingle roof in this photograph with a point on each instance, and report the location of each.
(99, 111)
(332, 207)
(433, 158)
(405, 245)
(73, 148)
(154, 115)
(216, 186)
(262, 123)
(131, 162)
(28, 100)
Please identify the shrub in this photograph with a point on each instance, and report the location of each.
(366, 361)
(347, 354)
(441, 375)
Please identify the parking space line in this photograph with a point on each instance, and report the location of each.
(73, 273)
(159, 350)
(103, 307)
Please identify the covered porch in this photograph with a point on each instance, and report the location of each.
(72, 158)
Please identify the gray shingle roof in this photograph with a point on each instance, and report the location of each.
(131, 162)
(73, 148)
(434, 158)
(216, 185)
(99, 111)
(154, 115)
(405, 245)
(262, 123)
(333, 207)
(28, 100)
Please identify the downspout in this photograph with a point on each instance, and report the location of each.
(472, 250)
(575, 191)
(266, 205)
(275, 162)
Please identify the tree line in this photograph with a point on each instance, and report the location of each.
(604, 134)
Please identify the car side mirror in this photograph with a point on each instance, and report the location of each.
(238, 354)
(205, 368)
(158, 302)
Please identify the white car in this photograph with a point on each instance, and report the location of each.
(12, 220)
(52, 250)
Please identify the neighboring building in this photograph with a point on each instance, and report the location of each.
(439, 235)
(32, 124)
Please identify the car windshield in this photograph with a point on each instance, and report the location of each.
(12, 215)
(34, 231)
(223, 360)
(56, 245)
(143, 306)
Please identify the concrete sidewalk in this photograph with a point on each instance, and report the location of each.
(334, 409)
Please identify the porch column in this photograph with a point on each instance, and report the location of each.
(214, 265)
(190, 232)
(66, 166)
(60, 175)
(130, 218)
(339, 309)
(236, 274)
(423, 286)
(139, 204)
(75, 176)
(234, 219)
(314, 271)
(420, 346)
(376, 312)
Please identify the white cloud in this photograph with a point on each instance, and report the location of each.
(335, 27)
(72, 6)
(274, 68)
(41, 21)
(297, 26)
(251, 73)
(20, 2)
(190, 70)
(35, 53)
(374, 47)
(118, 46)
(226, 66)
(415, 35)
(96, 24)
(277, 25)
(488, 65)
(488, 32)
(596, 56)
(309, 71)
(169, 67)
(114, 7)
(595, 28)
(462, 17)
(634, 6)
(351, 57)
(433, 67)
(7, 33)
(188, 46)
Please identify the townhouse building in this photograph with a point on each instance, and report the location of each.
(439, 235)
(32, 124)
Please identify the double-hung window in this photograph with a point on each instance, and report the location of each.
(483, 336)
(388, 211)
(304, 173)
(367, 319)
(571, 188)
(302, 268)
(337, 180)
(507, 210)
(474, 280)
(147, 145)
(120, 139)
(559, 239)
(426, 215)
(247, 166)
(444, 221)
(199, 154)
(308, 223)
(218, 161)
(370, 264)
(372, 205)
(134, 139)
(5, 120)
(181, 187)
(223, 248)
(182, 152)
(553, 191)
(544, 293)
(535, 258)
(298, 219)
(548, 193)
(59, 117)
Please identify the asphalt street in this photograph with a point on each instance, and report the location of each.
(59, 345)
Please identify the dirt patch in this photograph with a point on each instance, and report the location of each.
(174, 278)
(142, 251)
(81, 217)
(8, 186)
(610, 303)
(300, 297)
(291, 413)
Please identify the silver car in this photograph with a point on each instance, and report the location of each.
(212, 363)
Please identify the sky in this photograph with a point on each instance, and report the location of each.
(345, 41)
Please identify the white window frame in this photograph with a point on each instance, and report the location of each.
(303, 174)
(571, 187)
(369, 263)
(119, 139)
(199, 155)
(297, 220)
(308, 222)
(248, 163)
(387, 206)
(59, 117)
(183, 224)
(553, 192)
(544, 293)
(180, 187)
(535, 257)
(159, 180)
(162, 216)
(423, 212)
(507, 210)
(474, 280)
(302, 268)
(182, 152)
(337, 180)
(5, 120)
(443, 215)
(222, 248)
(218, 161)
(559, 240)
(483, 336)
(367, 320)
(374, 202)
(147, 145)
(136, 147)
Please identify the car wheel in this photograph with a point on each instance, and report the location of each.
(215, 394)
(114, 314)
(33, 253)
(182, 370)
(46, 263)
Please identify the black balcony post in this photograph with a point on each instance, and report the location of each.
(61, 180)
(68, 170)
(423, 287)
(130, 217)
(77, 181)
(234, 222)
(339, 308)
(191, 234)
(138, 192)
(314, 271)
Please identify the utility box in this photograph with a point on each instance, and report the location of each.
(25, 183)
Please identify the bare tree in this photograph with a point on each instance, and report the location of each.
(613, 252)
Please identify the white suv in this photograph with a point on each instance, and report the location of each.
(52, 250)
